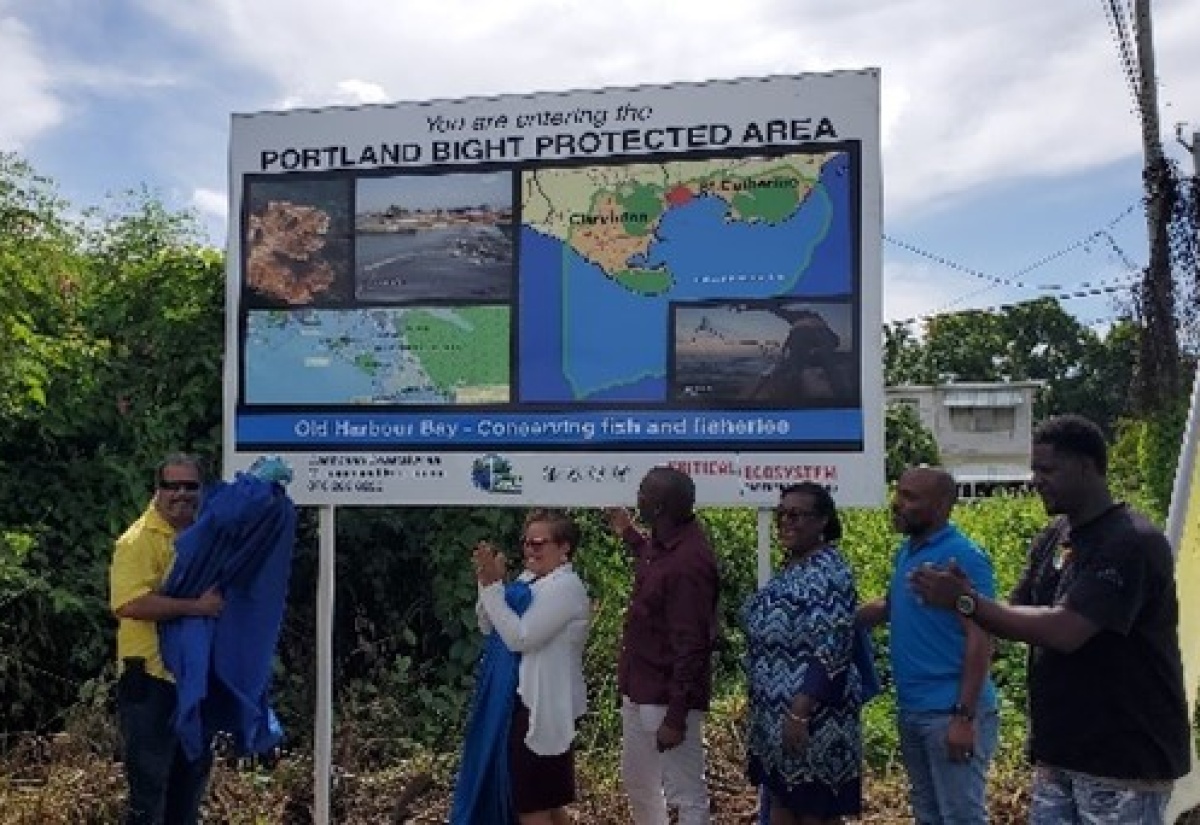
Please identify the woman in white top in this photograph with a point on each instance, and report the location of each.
(549, 635)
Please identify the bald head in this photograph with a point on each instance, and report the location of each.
(923, 500)
(666, 493)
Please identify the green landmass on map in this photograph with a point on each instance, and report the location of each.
(648, 282)
(611, 215)
(473, 353)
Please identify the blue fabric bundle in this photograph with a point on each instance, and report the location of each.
(863, 654)
(241, 543)
(482, 793)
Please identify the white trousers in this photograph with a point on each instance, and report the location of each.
(655, 780)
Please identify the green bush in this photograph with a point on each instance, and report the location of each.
(414, 694)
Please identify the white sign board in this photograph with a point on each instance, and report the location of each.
(535, 299)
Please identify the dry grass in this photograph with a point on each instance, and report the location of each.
(53, 784)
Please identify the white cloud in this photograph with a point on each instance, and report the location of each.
(26, 95)
(115, 81)
(910, 290)
(210, 203)
(342, 93)
(973, 93)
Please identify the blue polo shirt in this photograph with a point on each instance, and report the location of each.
(927, 643)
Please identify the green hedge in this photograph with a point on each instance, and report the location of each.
(414, 693)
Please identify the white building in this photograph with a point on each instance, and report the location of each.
(982, 429)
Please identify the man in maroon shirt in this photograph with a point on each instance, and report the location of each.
(664, 672)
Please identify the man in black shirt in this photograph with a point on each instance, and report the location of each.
(1097, 602)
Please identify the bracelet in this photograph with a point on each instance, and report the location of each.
(795, 718)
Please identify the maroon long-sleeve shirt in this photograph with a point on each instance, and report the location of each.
(671, 623)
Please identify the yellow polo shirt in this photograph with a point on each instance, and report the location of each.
(143, 558)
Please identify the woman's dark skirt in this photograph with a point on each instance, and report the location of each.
(814, 799)
(539, 783)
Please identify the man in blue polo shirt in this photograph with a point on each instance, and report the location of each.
(946, 699)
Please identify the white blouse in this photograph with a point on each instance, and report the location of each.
(550, 637)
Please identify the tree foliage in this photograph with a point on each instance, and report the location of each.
(110, 354)
(1035, 340)
(909, 442)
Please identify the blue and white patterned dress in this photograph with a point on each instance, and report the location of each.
(799, 632)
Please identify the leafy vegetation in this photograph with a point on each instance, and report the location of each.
(111, 340)
(1035, 340)
(909, 442)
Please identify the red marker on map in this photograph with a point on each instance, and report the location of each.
(679, 195)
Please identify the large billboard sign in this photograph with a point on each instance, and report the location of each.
(534, 299)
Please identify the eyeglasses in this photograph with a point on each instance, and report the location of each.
(174, 486)
(794, 514)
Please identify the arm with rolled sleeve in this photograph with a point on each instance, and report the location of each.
(690, 617)
(556, 603)
(637, 543)
(977, 653)
(831, 634)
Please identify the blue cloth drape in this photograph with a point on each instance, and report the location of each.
(482, 793)
(863, 655)
(242, 543)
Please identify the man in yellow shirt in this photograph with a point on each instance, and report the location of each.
(165, 788)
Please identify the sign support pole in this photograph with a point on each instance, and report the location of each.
(323, 726)
(764, 546)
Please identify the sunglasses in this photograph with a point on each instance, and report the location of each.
(179, 486)
(794, 514)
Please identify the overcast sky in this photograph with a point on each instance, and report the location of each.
(1009, 131)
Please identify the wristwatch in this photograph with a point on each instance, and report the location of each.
(965, 604)
(962, 712)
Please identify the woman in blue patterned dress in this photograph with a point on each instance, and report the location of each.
(804, 738)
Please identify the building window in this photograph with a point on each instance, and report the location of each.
(983, 419)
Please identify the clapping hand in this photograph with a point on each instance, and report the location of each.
(490, 564)
(619, 519)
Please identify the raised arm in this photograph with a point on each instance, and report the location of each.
(621, 523)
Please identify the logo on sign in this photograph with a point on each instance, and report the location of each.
(493, 473)
(595, 473)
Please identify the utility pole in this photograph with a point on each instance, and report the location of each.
(1159, 366)
(1194, 149)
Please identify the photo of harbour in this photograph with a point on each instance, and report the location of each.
(787, 354)
(434, 238)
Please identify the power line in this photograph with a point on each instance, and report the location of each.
(1091, 292)
(1120, 26)
(1103, 233)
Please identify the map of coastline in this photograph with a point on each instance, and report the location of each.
(378, 356)
(632, 239)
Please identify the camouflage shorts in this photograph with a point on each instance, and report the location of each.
(1062, 797)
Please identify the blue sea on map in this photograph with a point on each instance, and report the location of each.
(724, 377)
(280, 345)
(273, 357)
(583, 336)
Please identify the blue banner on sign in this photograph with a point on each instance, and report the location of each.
(540, 430)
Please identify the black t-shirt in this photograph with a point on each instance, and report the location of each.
(1115, 707)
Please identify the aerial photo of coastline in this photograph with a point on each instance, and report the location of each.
(435, 237)
(297, 242)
